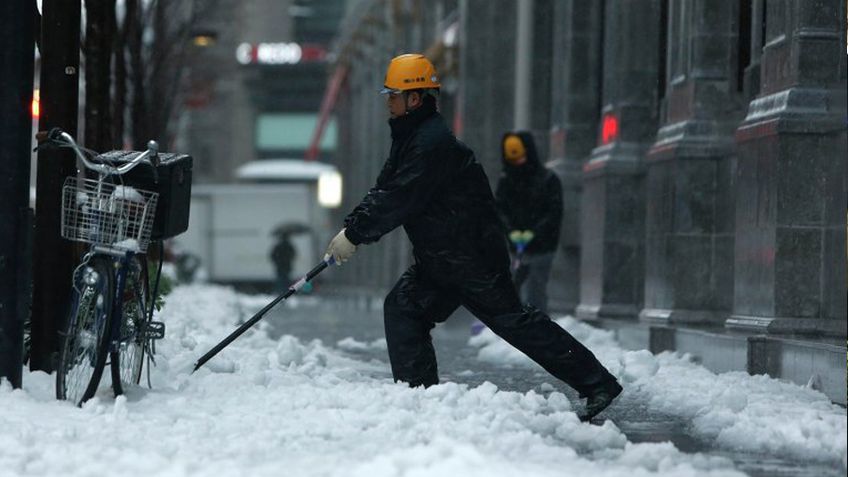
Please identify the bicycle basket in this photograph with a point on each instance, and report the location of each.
(115, 216)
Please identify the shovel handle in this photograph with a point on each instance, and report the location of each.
(261, 313)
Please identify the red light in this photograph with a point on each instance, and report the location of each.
(36, 104)
(609, 128)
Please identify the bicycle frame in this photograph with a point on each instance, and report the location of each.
(118, 303)
(114, 220)
(75, 300)
(123, 261)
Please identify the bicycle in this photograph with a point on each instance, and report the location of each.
(111, 305)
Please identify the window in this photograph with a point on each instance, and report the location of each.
(292, 132)
(663, 59)
(744, 42)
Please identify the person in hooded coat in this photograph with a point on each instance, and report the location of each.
(432, 185)
(529, 199)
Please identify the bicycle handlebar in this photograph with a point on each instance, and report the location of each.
(149, 157)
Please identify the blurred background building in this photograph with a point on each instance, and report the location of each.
(255, 81)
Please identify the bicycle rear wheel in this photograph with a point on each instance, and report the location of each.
(127, 360)
(85, 343)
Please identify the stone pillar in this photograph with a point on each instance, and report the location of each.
(523, 62)
(542, 56)
(575, 100)
(789, 274)
(487, 77)
(613, 212)
(689, 193)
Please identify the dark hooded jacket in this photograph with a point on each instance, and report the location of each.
(433, 186)
(529, 197)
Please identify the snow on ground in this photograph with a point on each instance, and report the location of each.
(351, 344)
(735, 410)
(286, 407)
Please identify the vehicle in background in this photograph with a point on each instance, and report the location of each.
(234, 227)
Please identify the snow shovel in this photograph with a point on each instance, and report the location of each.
(258, 316)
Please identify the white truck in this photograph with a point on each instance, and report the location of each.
(233, 227)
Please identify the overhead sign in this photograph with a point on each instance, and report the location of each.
(278, 53)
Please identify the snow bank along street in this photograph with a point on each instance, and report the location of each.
(288, 407)
(737, 410)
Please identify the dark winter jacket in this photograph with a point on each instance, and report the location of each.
(529, 197)
(433, 186)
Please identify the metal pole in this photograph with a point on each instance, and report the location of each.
(54, 257)
(523, 63)
(17, 52)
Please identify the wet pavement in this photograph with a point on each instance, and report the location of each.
(332, 320)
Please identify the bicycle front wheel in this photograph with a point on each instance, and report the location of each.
(128, 359)
(85, 343)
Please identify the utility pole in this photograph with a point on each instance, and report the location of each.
(17, 51)
(54, 257)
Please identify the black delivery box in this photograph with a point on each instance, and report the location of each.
(172, 181)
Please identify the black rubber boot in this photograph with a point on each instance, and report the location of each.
(599, 399)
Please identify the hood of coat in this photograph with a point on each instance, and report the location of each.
(531, 166)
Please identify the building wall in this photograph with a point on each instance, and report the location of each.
(487, 77)
(226, 97)
(218, 121)
(612, 250)
(575, 100)
(689, 168)
(720, 198)
(791, 177)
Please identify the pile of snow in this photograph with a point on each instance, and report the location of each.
(734, 410)
(127, 193)
(351, 344)
(81, 197)
(127, 244)
(285, 407)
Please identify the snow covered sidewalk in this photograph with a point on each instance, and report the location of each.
(735, 410)
(287, 407)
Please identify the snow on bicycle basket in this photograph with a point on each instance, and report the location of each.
(115, 216)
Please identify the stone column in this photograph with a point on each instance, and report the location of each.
(613, 210)
(487, 78)
(575, 100)
(542, 72)
(789, 274)
(523, 61)
(689, 193)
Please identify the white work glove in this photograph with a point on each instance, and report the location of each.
(340, 248)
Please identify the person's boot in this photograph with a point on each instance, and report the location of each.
(599, 399)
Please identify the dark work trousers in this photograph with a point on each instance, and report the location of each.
(531, 279)
(419, 300)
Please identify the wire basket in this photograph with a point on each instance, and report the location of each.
(111, 215)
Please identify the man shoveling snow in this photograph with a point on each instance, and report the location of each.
(433, 186)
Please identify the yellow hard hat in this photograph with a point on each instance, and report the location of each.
(513, 149)
(410, 71)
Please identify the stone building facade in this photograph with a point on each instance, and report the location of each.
(701, 146)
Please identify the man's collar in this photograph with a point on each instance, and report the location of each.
(402, 126)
